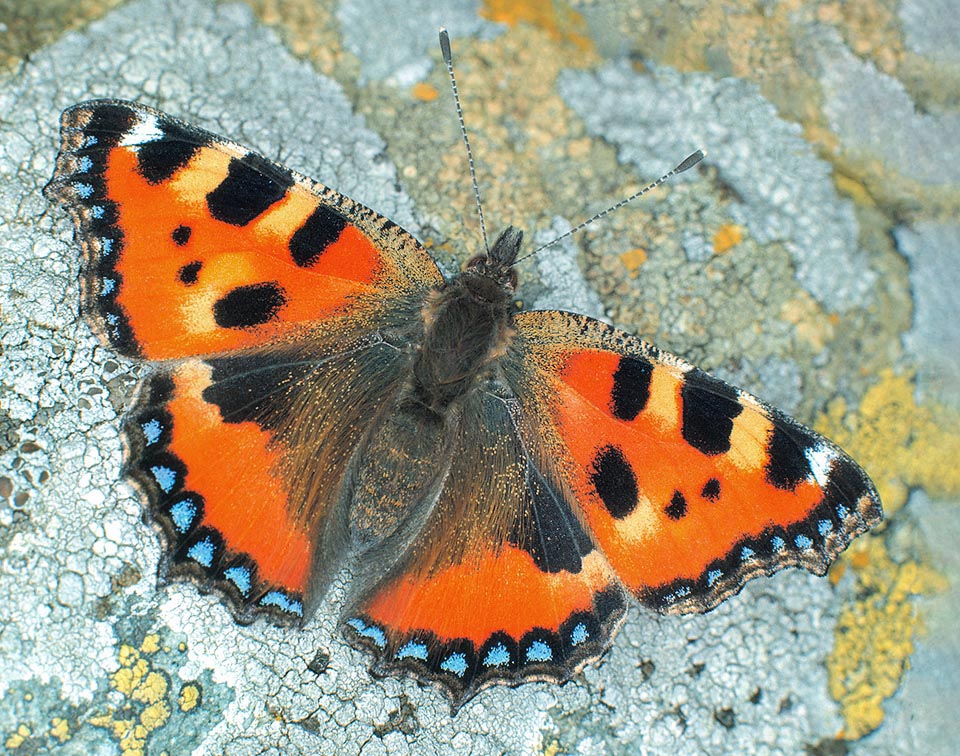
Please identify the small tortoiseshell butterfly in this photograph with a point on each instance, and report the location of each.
(499, 483)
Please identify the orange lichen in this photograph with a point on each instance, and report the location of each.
(559, 21)
(632, 259)
(424, 92)
(727, 237)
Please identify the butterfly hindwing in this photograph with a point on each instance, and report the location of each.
(195, 245)
(689, 486)
(241, 458)
(502, 584)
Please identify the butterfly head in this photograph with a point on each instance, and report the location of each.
(497, 265)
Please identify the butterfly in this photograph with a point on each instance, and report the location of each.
(500, 484)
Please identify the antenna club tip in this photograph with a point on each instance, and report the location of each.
(690, 161)
(445, 45)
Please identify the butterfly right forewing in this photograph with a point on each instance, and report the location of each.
(689, 486)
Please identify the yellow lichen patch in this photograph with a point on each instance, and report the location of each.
(899, 443)
(812, 325)
(873, 639)
(559, 21)
(552, 748)
(144, 708)
(189, 697)
(632, 259)
(308, 28)
(60, 729)
(17, 739)
(727, 237)
(424, 92)
(902, 444)
(855, 189)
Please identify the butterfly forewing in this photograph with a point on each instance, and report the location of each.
(196, 245)
(687, 484)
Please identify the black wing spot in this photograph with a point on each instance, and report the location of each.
(181, 235)
(252, 185)
(711, 490)
(189, 272)
(615, 482)
(248, 306)
(108, 123)
(631, 387)
(321, 229)
(677, 508)
(548, 530)
(159, 159)
(709, 407)
(787, 465)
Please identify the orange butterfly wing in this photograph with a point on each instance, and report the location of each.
(195, 245)
(689, 486)
(501, 584)
(264, 292)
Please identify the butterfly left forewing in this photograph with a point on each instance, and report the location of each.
(502, 583)
(195, 245)
(689, 486)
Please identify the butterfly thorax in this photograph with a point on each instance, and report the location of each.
(466, 327)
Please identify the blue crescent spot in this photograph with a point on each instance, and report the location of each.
(455, 664)
(282, 601)
(713, 576)
(539, 652)
(182, 514)
(84, 164)
(97, 211)
(824, 526)
(803, 542)
(106, 245)
(842, 512)
(106, 288)
(372, 632)
(777, 543)
(202, 552)
(579, 634)
(747, 553)
(498, 656)
(151, 431)
(84, 190)
(240, 577)
(165, 477)
(413, 650)
(677, 594)
(90, 141)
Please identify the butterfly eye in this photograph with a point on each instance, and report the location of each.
(512, 278)
(475, 262)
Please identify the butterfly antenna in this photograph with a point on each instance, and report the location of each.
(687, 163)
(448, 59)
